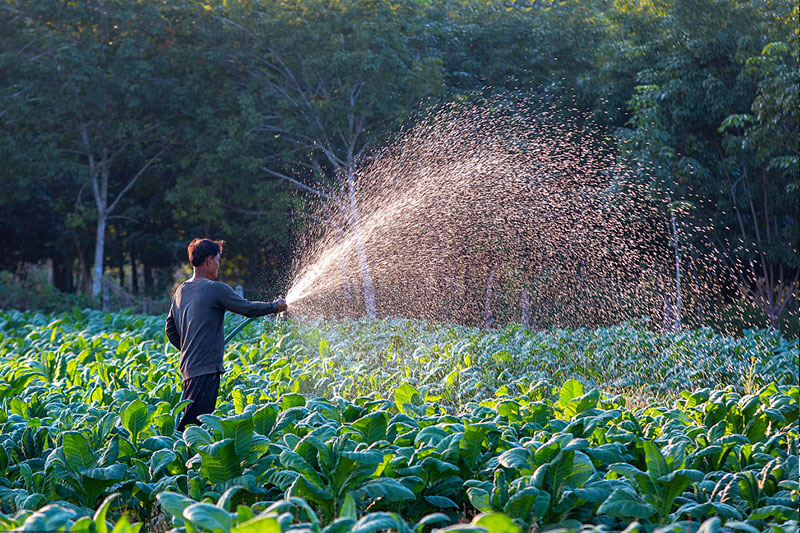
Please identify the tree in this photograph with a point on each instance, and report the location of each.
(688, 121)
(762, 150)
(329, 78)
(30, 218)
(107, 88)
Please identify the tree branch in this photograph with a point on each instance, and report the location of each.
(133, 180)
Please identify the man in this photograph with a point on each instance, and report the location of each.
(195, 327)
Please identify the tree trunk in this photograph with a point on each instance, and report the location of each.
(148, 278)
(97, 271)
(346, 287)
(370, 304)
(134, 276)
(62, 275)
(525, 307)
(85, 287)
(488, 319)
(677, 313)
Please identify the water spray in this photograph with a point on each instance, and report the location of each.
(510, 209)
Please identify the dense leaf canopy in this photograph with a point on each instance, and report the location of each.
(197, 111)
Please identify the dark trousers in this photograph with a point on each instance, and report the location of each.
(202, 391)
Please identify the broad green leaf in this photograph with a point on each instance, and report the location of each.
(372, 426)
(518, 458)
(495, 523)
(238, 401)
(582, 470)
(135, 418)
(160, 460)
(441, 502)
(656, 464)
(303, 488)
(82, 525)
(379, 521)
(324, 348)
(625, 469)
(77, 452)
(241, 431)
(429, 519)
(174, 503)
(470, 444)
(224, 501)
(781, 512)
(197, 436)
(292, 400)
(349, 509)
(569, 391)
(480, 499)
(542, 504)
(124, 526)
(712, 525)
(264, 419)
(405, 395)
(51, 517)
(209, 517)
(365, 457)
(115, 472)
(340, 525)
(264, 524)
(294, 461)
(219, 461)
(623, 504)
(100, 515)
(387, 488)
(520, 505)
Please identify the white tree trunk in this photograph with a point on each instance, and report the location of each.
(677, 270)
(97, 270)
(525, 307)
(355, 223)
(488, 319)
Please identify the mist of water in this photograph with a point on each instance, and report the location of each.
(485, 214)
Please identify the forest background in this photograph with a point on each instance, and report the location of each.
(128, 128)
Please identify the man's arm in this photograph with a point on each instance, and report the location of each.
(172, 330)
(230, 300)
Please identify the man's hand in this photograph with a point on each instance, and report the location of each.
(281, 305)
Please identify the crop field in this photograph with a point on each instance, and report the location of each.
(397, 425)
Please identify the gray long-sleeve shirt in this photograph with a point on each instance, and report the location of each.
(195, 323)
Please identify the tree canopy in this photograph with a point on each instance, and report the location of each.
(127, 128)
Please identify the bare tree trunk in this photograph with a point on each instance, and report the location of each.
(675, 243)
(61, 275)
(525, 307)
(355, 222)
(348, 289)
(488, 319)
(134, 276)
(100, 171)
(97, 270)
(148, 278)
(84, 286)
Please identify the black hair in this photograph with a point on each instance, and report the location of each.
(202, 249)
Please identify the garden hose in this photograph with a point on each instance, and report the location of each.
(242, 325)
(238, 328)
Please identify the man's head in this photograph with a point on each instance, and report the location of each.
(204, 254)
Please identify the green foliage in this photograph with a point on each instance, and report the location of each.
(34, 291)
(85, 446)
